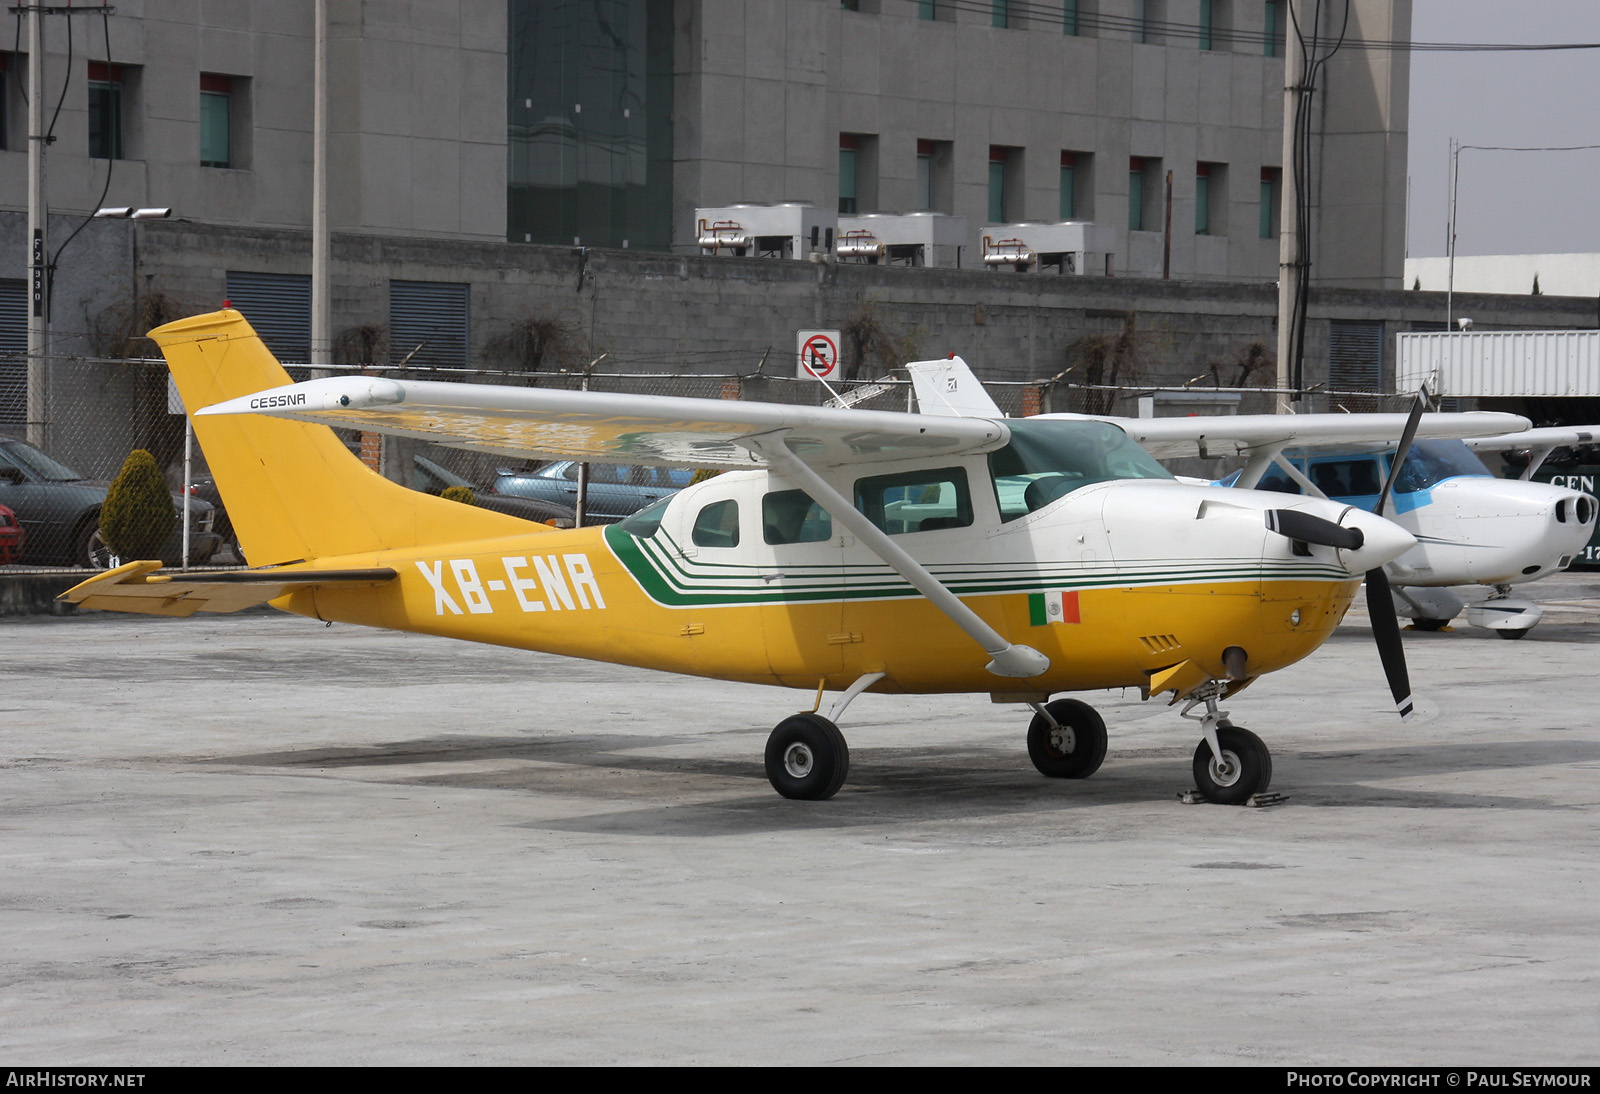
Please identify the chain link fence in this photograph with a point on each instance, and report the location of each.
(102, 409)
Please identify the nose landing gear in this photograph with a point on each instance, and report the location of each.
(1231, 765)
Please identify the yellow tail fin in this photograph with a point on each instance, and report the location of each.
(294, 491)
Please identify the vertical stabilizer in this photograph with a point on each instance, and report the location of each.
(948, 388)
(294, 491)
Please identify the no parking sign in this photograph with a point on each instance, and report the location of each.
(817, 353)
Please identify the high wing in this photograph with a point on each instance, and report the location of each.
(590, 425)
(1538, 443)
(1250, 434)
(136, 587)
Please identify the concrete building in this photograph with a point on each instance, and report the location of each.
(469, 136)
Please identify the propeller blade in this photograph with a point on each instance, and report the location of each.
(1295, 524)
(1398, 460)
(1386, 631)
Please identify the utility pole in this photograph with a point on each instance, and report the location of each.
(321, 291)
(1290, 272)
(38, 244)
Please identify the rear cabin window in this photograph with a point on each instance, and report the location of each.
(717, 525)
(790, 516)
(916, 501)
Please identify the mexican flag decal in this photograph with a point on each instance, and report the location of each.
(1060, 606)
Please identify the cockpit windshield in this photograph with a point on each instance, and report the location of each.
(1047, 459)
(1430, 462)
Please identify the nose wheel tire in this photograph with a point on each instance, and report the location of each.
(807, 758)
(1074, 747)
(1244, 769)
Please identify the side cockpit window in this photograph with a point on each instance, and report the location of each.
(790, 516)
(717, 525)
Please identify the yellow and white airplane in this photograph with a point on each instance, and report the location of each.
(845, 550)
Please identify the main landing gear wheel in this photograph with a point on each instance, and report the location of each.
(1074, 747)
(1511, 634)
(1245, 768)
(1430, 624)
(807, 758)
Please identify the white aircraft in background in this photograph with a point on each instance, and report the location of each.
(1471, 527)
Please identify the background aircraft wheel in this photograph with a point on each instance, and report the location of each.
(1511, 634)
(1075, 749)
(1430, 624)
(807, 758)
(1247, 767)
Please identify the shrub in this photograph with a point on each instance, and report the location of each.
(463, 494)
(138, 516)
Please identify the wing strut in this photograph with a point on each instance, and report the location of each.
(1009, 659)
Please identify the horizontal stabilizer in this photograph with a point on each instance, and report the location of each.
(137, 587)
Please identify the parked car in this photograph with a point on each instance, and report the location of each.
(616, 490)
(12, 537)
(59, 511)
(432, 478)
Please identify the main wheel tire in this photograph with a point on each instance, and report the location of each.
(1074, 748)
(91, 549)
(1429, 624)
(1513, 634)
(1246, 770)
(807, 758)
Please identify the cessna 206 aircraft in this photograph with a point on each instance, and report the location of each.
(844, 550)
(1471, 528)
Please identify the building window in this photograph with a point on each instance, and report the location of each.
(1205, 24)
(1069, 17)
(858, 172)
(5, 101)
(1211, 199)
(1270, 188)
(1140, 186)
(1005, 181)
(924, 199)
(1069, 186)
(1276, 29)
(927, 9)
(216, 120)
(849, 164)
(105, 111)
(1000, 13)
(935, 190)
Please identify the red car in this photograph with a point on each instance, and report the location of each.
(11, 537)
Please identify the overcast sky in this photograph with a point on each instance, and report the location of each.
(1507, 202)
